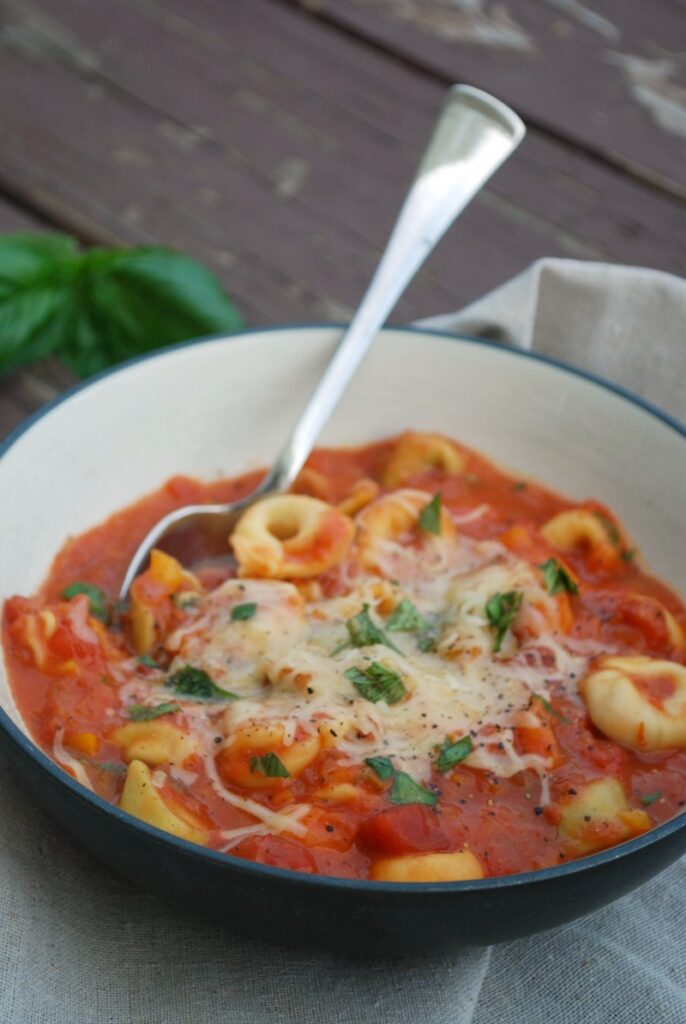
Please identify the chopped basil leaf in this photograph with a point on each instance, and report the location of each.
(147, 661)
(611, 529)
(501, 611)
(143, 713)
(406, 791)
(549, 708)
(270, 765)
(377, 683)
(452, 753)
(427, 641)
(430, 516)
(521, 485)
(629, 554)
(363, 632)
(195, 682)
(557, 578)
(381, 766)
(114, 767)
(650, 798)
(243, 612)
(406, 617)
(97, 601)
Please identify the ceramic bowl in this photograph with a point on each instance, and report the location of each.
(224, 405)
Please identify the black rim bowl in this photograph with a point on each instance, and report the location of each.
(341, 915)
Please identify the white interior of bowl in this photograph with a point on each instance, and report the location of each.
(221, 407)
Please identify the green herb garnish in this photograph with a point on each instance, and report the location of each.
(430, 516)
(377, 683)
(98, 605)
(364, 632)
(94, 308)
(501, 611)
(650, 798)
(521, 485)
(406, 618)
(243, 612)
(270, 765)
(195, 682)
(452, 753)
(381, 766)
(147, 661)
(406, 791)
(427, 641)
(629, 554)
(549, 708)
(557, 578)
(143, 713)
(610, 528)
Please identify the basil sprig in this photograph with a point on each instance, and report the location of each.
(195, 682)
(556, 578)
(430, 516)
(404, 789)
(144, 713)
(363, 632)
(451, 753)
(97, 601)
(501, 611)
(406, 618)
(95, 308)
(243, 612)
(377, 683)
(270, 765)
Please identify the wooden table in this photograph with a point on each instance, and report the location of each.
(274, 139)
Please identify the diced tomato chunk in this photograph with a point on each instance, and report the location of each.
(411, 828)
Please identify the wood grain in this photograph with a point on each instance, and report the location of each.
(607, 75)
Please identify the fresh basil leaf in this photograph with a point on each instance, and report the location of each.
(549, 708)
(195, 682)
(556, 578)
(243, 612)
(364, 632)
(270, 765)
(406, 791)
(144, 713)
(629, 554)
(377, 683)
(452, 753)
(501, 611)
(650, 798)
(99, 607)
(98, 307)
(381, 766)
(610, 528)
(430, 516)
(520, 485)
(427, 641)
(406, 617)
(147, 661)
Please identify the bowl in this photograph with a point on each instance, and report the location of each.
(223, 405)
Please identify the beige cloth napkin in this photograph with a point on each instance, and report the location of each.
(80, 946)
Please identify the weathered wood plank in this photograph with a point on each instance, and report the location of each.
(606, 74)
(240, 84)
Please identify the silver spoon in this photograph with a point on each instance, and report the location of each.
(474, 135)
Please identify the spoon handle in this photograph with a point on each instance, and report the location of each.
(474, 134)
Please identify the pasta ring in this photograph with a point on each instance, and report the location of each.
(622, 709)
(291, 536)
(428, 867)
(581, 528)
(391, 517)
(414, 453)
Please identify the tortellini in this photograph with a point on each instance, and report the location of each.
(155, 742)
(291, 536)
(583, 528)
(141, 798)
(237, 758)
(390, 519)
(414, 453)
(150, 596)
(461, 866)
(637, 701)
(600, 815)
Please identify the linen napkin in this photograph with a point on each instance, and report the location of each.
(81, 946)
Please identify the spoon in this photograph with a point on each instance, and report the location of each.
(474, 135)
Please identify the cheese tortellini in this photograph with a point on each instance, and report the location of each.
(461, 866)
(291, 536)
(414, 453)
(390, 519)
(141, 798)
(154, 742)
(638, 701)
(581, 528)
(600, 815)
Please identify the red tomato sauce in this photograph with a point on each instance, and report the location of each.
(503, 821)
